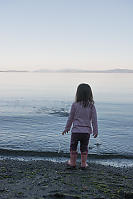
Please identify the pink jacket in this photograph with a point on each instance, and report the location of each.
(84, 119)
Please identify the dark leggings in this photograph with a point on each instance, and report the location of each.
(84, 141)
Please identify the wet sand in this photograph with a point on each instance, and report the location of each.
(45, 179)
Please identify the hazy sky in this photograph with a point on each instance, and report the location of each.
(57, 34)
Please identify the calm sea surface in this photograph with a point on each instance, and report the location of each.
(34, 108)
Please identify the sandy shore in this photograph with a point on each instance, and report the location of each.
(44, 179)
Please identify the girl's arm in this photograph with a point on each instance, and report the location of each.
(94, 122)
(70, 119)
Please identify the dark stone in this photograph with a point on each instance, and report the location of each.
(62, 196)
(128, 195)
(2, 190)
(100, 198)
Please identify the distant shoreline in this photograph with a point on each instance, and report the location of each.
(70, 71)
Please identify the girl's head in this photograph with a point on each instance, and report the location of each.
(84, 95)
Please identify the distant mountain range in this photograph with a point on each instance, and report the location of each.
(13, 71)
(117, 70)
(86, 71)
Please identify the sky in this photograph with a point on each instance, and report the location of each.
(66, 34)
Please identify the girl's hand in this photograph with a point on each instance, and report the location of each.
(64, 132)
(95, 135)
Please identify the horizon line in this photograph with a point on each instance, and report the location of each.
(115, 70)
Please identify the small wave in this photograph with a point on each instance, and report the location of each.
(59, 112)
(23, 153)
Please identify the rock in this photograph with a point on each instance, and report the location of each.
(129, 195)
(62, 196)
(2, 190)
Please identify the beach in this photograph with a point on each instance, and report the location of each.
(40, 179)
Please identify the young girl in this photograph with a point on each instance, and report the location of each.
(83, 116)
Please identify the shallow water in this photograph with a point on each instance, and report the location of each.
(34, 108)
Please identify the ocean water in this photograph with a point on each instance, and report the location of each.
(34, 108)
